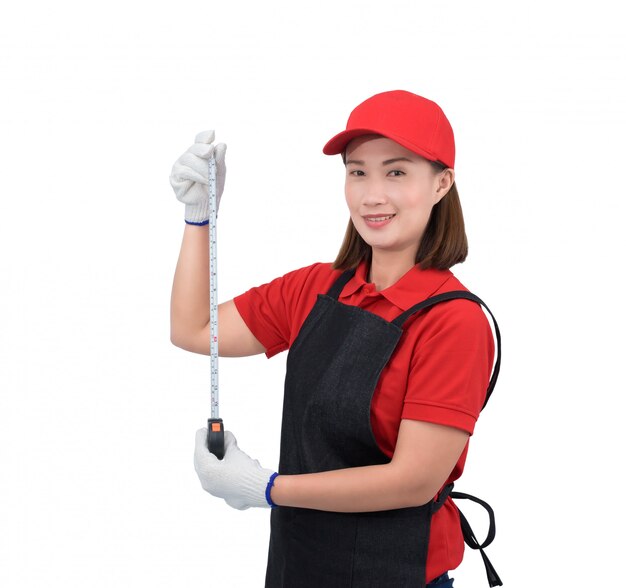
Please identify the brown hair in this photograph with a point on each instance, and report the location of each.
(443, 244)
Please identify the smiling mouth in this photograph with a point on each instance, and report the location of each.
(378, 219)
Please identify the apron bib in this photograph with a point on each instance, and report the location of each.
(333, 368)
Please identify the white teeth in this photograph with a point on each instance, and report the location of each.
(380, 219)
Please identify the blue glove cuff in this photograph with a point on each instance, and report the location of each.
(269, 488)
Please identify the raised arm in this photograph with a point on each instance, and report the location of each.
(190, 301)
(190, 304)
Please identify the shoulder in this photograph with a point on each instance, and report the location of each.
(458, 315)
(274, 310)
(305, 280)
(317, 271)
(316, 276)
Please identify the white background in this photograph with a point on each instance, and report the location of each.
(98, 410)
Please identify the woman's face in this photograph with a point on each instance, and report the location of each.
(385, 179)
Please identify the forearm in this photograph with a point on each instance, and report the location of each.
(190, 301)
(360, 489)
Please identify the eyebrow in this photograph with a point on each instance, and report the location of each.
(386, 162)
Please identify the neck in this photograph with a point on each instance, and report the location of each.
(386, 268)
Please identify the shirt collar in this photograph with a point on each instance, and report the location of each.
(413, 287)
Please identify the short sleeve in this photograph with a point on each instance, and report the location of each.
(268, 310)
(451, 366)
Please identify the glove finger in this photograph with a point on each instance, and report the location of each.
(229, 439)
(196, 163)
(220, 153)
(185, 178)
(190, 167)
(201, 436)
(236, 504)
(180, 185)
(202, 150)
(202, 455)
(191, 193)
(205, 137)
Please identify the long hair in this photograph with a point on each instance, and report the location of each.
(443, 244)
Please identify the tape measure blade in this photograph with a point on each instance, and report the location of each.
(213, 286)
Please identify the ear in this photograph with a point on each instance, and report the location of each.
(445, 179)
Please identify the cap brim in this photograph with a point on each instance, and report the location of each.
(338, 143)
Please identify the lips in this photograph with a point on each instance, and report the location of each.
(378, 217)
(377, 222)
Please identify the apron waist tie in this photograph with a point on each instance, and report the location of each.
(470, 538)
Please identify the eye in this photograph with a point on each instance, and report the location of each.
(397, 171)
(356, 172)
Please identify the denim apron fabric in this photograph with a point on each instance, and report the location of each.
(443, 581)
(333, 367)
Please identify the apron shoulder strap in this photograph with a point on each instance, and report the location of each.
(340, 282)
(444, 296)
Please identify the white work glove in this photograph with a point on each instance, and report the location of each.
(237, 478)
(190, 177)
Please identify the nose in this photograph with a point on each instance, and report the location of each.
(374, 192)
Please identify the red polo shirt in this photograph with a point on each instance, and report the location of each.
(439, 371)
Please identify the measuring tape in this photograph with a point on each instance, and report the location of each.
(215, 425)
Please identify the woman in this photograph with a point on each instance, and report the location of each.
(385, 378)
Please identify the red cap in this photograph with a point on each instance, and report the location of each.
(417, 123)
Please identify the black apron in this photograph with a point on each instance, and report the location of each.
(333, 367)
